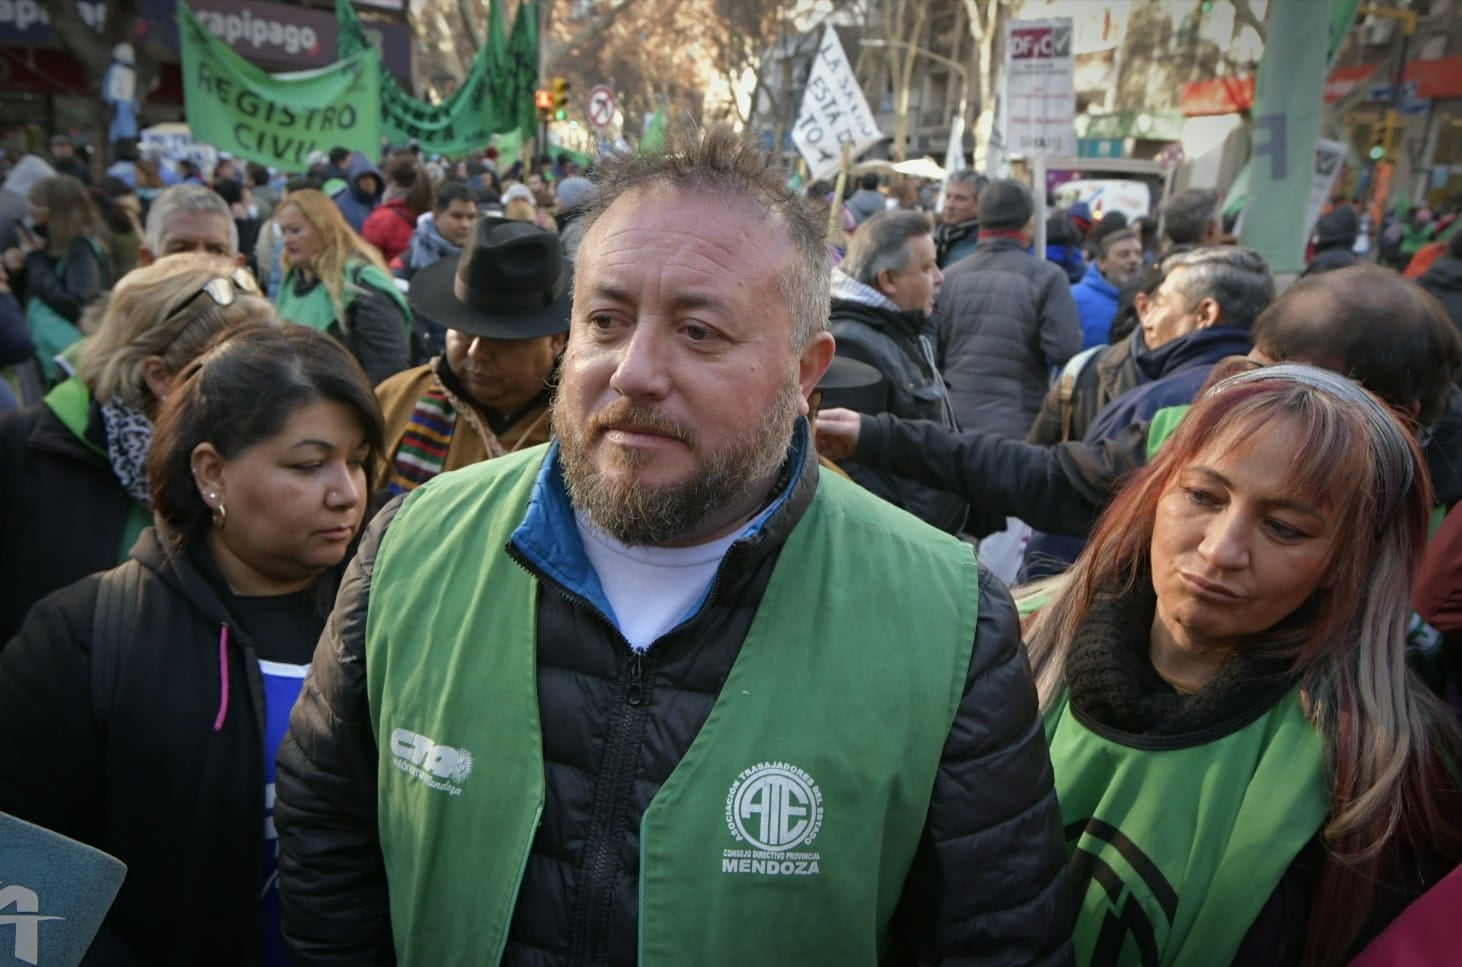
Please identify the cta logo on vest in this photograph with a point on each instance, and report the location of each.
(775, 808)
(439, 766)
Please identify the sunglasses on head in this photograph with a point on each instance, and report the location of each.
(222, 289)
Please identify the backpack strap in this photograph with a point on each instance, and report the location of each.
(1066, 386)
(116, 611)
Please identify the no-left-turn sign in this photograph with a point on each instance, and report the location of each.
(601, 106)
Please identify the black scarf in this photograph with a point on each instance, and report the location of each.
(1112, 682)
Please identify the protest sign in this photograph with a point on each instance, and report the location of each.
(833, 111)
(276, 119)
(1040, 88)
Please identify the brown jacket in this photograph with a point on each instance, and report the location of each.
(472, 440)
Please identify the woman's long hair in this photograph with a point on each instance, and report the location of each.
(1389, 742)
(339, 244)
(71, 214)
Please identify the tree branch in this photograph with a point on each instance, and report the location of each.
(600, 22)
(1244, 14)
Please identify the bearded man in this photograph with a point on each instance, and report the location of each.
(659, 692)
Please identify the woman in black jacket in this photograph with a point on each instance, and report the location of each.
(61, 263)
(176, 671)
(1247, 771)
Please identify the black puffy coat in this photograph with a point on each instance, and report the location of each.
(1004, 318)
(988, 883)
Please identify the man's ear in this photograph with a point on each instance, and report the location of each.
(885, 282)
(145, 256)
(1209, 314)
(816, 358)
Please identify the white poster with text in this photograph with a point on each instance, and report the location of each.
(834, 110)
(1040, 72)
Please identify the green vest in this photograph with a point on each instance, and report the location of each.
(315, 310)
(1162, 425)
(796, 813)
(1174, 851)
(70, 401)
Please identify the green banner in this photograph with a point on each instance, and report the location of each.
(485, 104)
(1287, 106)
(276, 119)
(521, 67)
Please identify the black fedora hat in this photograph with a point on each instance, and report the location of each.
(510, 282)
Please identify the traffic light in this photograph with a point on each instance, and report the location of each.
(1378, 150)
(560, 95)
(543, 100)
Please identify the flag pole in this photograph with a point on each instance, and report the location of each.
(835, 213)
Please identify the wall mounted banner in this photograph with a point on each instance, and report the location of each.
(276, 119)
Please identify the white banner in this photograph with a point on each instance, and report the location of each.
(1040, 107)
(833, 111)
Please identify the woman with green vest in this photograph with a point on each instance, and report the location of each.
(337, 283)
(1247, 771)
(73, 467)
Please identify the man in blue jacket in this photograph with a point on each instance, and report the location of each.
(1118, 262)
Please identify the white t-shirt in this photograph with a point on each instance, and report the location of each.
(651, 589)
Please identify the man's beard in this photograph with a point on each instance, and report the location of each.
(639, 514)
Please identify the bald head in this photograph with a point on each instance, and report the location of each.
(1372, 325)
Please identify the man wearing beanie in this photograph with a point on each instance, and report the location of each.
(1004, 318)
(571, 193)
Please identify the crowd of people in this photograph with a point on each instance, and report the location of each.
(413, 562)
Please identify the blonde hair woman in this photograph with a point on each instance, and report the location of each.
(1247, 771)
(336, 282)
(73, 479)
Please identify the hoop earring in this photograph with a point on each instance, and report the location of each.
(220, 516)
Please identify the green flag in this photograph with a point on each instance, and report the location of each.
(465, 120)
(275, 119)
(1287, 105)
(509, 148)
(654, 138)
(521, 65)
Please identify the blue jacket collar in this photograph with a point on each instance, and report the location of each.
(1199, 347)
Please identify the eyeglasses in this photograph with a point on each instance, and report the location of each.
(223, 290)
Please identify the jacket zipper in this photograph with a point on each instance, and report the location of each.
(590, 928)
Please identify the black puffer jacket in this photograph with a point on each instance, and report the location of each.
(131, 761)
(911, 388)
(988, 883)
(1004, 318)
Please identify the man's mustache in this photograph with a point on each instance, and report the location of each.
(625, 413)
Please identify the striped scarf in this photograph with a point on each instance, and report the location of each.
(423, 449)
